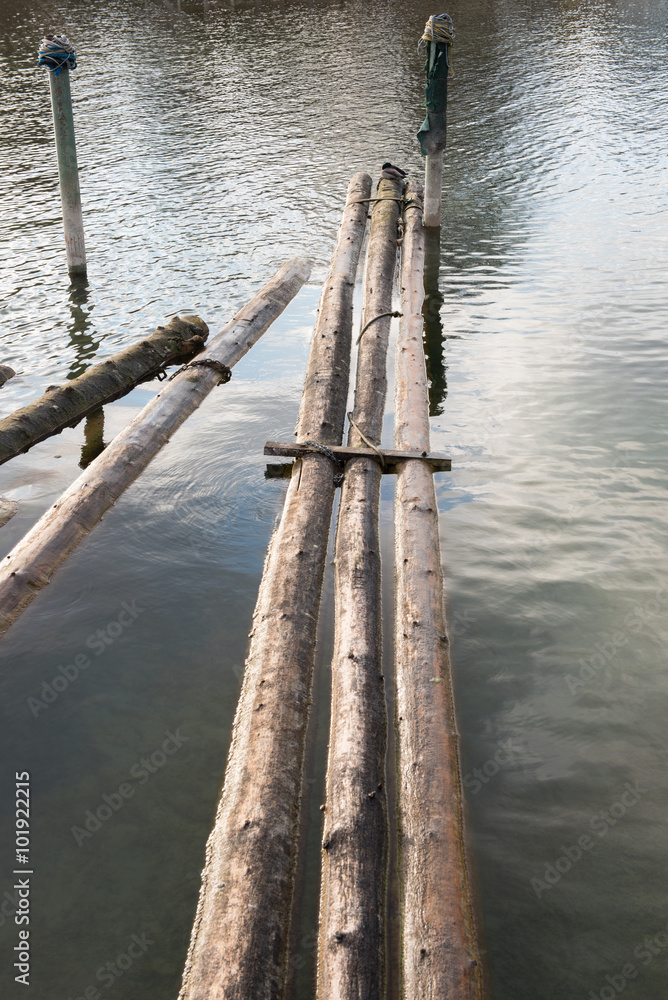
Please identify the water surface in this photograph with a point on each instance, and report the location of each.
(216, 140)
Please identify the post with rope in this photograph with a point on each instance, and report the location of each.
(435, 44)
(56, 53)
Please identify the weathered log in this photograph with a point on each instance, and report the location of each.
(33, 561)
(62, 406)
(5, 374)
(239, 942)
(354, 855)
(439, 952)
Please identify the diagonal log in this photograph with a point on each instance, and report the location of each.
(33, 561)
(64, 405)
(238, 948)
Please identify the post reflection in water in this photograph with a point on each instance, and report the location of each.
(93, 444)
(84, 344)
(433, 324)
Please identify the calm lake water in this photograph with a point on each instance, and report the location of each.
(216, 141)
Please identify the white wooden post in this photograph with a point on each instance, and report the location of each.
(54, 52)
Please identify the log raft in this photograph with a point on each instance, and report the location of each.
(351, 950)
(65, 405)
(33, 561)
(240, 936)
(439, 957)
(241, 931)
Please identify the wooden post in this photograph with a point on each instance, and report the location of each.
(437, 40)
(33, 561)
(238, 948)
(433, 182)
(54, 53)
(354, 856)
(439, 953)
(433, 172)
(63, 406)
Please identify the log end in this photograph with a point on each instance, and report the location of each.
(6, 373)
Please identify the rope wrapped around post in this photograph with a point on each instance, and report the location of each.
(56, 53)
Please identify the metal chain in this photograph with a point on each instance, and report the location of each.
(218, 366)
(323, 449)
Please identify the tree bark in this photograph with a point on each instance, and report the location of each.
(439, 952)
(354, 856)
(239, 943)
(33, 561)
(63, 406)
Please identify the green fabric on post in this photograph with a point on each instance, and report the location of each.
(436, 90)
(433, 129)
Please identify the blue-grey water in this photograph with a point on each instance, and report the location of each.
(215, 141)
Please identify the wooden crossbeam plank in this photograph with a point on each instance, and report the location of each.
(391, 457)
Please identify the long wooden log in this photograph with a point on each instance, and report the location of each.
(239, 943)
(354, 855)
(439, 954)
(33, 561)
(62, 406)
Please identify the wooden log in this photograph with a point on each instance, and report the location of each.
(439, 952)
(5, 374)
(64, 405)
(33, 561)
(239, 942)
(354, 855)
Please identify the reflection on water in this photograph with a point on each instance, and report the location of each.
(547, 308)
(93, 444)
(84, 345)
(433, 323)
